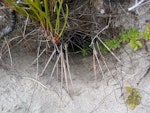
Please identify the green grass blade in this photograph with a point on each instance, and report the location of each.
(65, 22)
(58, 10)
(47, 16)
(37, 11)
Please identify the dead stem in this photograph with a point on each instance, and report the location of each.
(37, 63)
(38, 56)
(64, 69)
(10, 56)
(36, 81)
(98, 61)
(68, 66)
(104, 61)
(46, 65)
(25, 26)
(55, 65)
(94, 68)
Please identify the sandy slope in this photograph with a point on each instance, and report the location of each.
(20, 93)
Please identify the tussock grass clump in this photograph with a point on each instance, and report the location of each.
(43, 12)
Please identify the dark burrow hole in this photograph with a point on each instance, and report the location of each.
(77, 41)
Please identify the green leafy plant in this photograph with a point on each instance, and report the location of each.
(131, 34)
(146, 33)
(134, 97)
(112, 44)
(135, 44)
(43, 13)
(102, 48)
(124, 37)
(132, 37)
(85, 51)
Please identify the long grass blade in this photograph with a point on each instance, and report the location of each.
(47, 16)
(58, 10)
(65, 22)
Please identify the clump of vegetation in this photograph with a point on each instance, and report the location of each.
(134, 97)
(86, 50)
(112, 44)
(131, 36)
(146, 33)
(43, 12)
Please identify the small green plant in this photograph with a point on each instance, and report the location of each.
(132, 37)
(134, 97)
(131, 34)
(112, 44)
(85, 51)
(146, 33)
(135, 44)
(43, 12)
(102, 48)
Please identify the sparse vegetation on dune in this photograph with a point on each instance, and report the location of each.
(64, 27)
